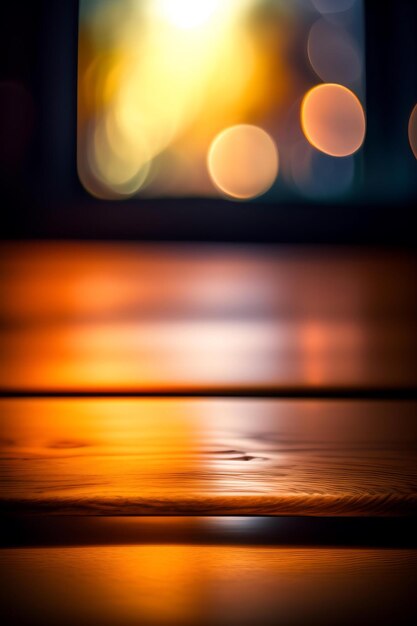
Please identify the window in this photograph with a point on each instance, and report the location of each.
(235, 99)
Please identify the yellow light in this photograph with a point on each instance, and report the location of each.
(121, 165)
(243, 161)
(160, 79)
(188, 13)
(333, 120)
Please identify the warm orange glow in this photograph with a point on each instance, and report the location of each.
(159, 80)
(124, 450)
(412, 131)
(185, 584)
(207, 456)
(129, 318)
(333, 120)
(243, 161)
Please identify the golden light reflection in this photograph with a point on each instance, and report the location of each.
(333, 120)
(206, 456)
(243, 161)
(190, 585)
(123, 450)
(100, 317)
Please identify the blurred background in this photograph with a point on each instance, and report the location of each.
(209, 308)
(130, 120)
(212, 99)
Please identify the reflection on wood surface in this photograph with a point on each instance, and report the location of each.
(172, 585)
(138, 318)
(208, 457)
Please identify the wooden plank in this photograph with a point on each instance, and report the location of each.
(208, 457)
(197, 585)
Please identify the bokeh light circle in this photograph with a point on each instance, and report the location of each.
(333, 120)
(117, 165)
(412, 131)
(243, 161)
(333, 6)
(333, 54)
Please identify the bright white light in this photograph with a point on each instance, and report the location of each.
(188, 13)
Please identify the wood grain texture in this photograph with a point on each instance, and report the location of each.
(169, 585)
(208, 457)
